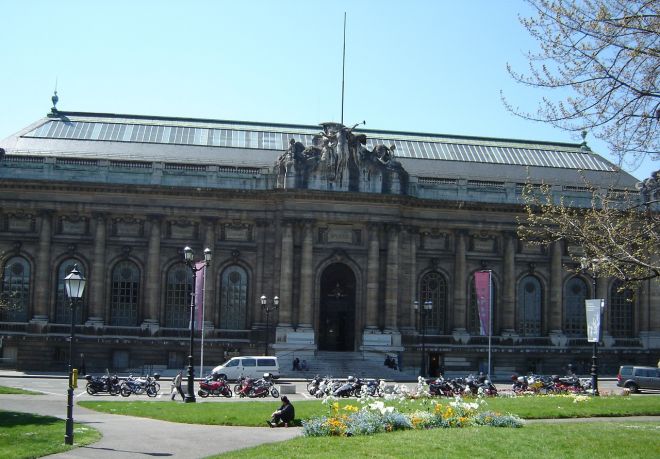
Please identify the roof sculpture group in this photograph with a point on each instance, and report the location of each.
(338, 160)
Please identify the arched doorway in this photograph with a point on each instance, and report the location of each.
(337, 306)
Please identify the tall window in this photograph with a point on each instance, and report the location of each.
(15, 290)
(434, 287)
(575, 322)
(474, 324)
(125, 294)
(233, 298)
(529, 306)
(621, 311)
(177, 296)
(62, 302)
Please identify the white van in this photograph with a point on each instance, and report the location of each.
(249, 366)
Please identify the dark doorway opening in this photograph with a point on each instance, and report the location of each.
(337, 307)
(436, 364)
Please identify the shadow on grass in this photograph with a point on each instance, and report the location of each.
(13, 418)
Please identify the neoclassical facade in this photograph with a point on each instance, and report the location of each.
(347, 227)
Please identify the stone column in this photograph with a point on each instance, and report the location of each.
(261, 226)
(414, 294)
(373, 264)
(97, 281)
(153, 275)
(42, 286)
(460, 284)
(392, 278)
(286, 275)
(509, 291)
(306, 305)
(556, 291)
(210, 304)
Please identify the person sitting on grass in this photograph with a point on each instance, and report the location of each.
(284, 414)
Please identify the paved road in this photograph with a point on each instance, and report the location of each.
(129, 437)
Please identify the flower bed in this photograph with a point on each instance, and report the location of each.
(376, 417)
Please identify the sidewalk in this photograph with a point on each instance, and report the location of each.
(130, 437)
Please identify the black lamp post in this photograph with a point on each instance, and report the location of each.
(592, 265)
(74, 284)
(427, 306)
(268, 308)
(188, 258)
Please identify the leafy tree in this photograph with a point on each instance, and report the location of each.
(598, 64)
(622, 235)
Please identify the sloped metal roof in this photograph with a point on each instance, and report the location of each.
(102, 129)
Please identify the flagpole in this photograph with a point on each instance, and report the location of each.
(201, 356)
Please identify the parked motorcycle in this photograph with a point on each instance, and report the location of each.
(441, 387)
(264, 386)
(214, 385)
(139, 386)
(351, 387)
(105, 383)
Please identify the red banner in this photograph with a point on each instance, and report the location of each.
(482, 288)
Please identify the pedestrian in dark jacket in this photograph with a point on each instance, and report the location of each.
(284, 414)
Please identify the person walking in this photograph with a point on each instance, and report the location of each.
(284, 415)
(176, 387)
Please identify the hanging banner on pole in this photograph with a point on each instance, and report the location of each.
(199, 295)
(593, 310)
(482, 289)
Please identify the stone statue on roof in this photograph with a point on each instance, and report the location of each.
(339, 160)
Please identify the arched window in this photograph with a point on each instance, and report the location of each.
(177, 296)
(575, 322)
(233, 298)
(621, 311)
(473, 323)
(529, 306)
(62, 302)
(125, 294)
(15, 290)
(433, 286)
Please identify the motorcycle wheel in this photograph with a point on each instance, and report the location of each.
(156, 385)
(125, 391)
(114, 389)
(312, 388)
(202, 393)
(151, 391)
(274, 392)
(237, 388)
(90, 389)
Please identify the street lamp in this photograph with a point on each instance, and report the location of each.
(74, 284)
(592, 265)
(428, 305)
(268, 308)
(194, 267)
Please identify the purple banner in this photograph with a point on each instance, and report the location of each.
(199, 295)
(482, 289)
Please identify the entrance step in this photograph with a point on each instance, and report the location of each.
(344, 364)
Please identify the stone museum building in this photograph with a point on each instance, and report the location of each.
(370, 240)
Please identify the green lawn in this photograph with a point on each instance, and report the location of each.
(575, 440)
(255, 413)
(12, 390)
(24, 435)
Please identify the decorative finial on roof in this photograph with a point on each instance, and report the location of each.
(55, 99)
(584, 145)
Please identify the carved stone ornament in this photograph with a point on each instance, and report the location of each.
(127, 226)
(339, 160)
(20, 222)
(73, 224)
(182, 229)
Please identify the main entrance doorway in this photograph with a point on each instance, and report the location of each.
(337, 307)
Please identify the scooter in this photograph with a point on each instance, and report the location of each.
(214, 385)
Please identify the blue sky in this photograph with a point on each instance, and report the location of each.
(416, 66)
